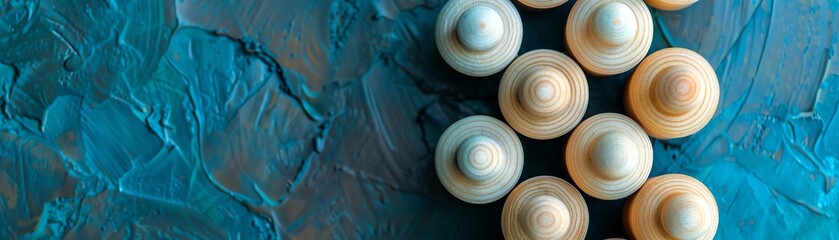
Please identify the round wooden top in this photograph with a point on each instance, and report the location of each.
(670, 5)
(672, 206)
(609, 156)
(545, 207)
(478, 37)
(479, 159)
(543, 94)
(673, 93)
(609, 37)
(542, 4)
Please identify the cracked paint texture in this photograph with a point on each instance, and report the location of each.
(318, 119)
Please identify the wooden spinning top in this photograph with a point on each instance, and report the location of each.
(672, 206)
(543, 94)
(544, 207)
(479, 159)
(673, 93)
(478, 37)
(670, 5)
(609, 156)
(608, 37)
(542, 4)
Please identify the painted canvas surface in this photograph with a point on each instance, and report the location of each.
(260, 119)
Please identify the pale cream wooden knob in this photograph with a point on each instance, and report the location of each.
(542, 4)
(479, 159)
(478, 37)
(545, 207)
(673, 93)
(670, 5)
(609, 37)
(672, 206)
(609, 156)
(543, 94)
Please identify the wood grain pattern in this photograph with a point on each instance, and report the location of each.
(542, 4)
(609, 156)
(478, 37)
(543, 94)
(670, 5)
(545, 207)
(673, 93)
(479, 159)
(609, 37)
(672, 206)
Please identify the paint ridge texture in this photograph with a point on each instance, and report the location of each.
(318, 119)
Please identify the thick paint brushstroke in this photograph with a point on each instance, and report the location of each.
(318, 119)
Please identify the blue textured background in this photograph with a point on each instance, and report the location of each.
(318, 119)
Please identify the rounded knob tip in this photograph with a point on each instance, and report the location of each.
(615, 155)
(480, 157)
(546, 217)
(614, 24)
(676, 90)
(683, 216)
(480, 28)
(544, 92)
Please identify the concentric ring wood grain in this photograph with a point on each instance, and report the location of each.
(558, 203)
(542, 4)
(632, 35)
(543, 94)
(481, 185)
(469, 61)
(673, 93)
(670, 5)
(632, 162)
(672, 206)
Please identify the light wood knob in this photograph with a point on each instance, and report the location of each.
(542, 4)
(545, 217)
(614, 156)
(478, 37)
(670, 5)
(614, 24)
(480, 28)
(543, 94)
(609, 156)
(545, 207)
(609, 37)
(673, 93)
(672, 206)
(479, 159)
(683, 216)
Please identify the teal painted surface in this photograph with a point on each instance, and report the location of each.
(317, 119)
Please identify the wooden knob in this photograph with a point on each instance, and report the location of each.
(544, 207)
(683, 216)
(478, 37)
(543, 94)
(609, 156)
(479, 159)
(673, 93)
(614, 24)
(545, 217)
(672, 206)
(675, 90)
(609, 37)
(542, 4)
(670, 5)
(614, 156)
(480, 28)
